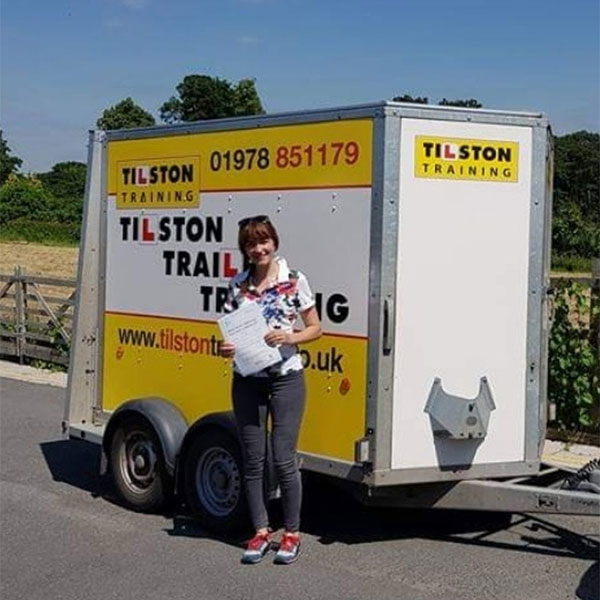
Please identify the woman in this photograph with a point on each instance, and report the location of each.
(282, 294)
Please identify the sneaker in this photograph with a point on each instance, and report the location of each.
(256, 548)
(289, 549)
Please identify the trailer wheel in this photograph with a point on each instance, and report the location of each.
(137, 465)
(213, 479)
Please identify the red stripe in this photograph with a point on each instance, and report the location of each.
(285, 189)
(128, 314)
(278, 189)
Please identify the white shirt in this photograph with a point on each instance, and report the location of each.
(281, 303)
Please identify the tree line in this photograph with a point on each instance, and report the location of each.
(47, 207)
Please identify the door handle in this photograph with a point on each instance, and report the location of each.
(388, 326)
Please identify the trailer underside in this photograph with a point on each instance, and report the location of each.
(545, 492)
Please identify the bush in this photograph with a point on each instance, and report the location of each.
(65, 209)
(22, 197)
(572, 264)
(574, 367)
(573, 233)
(30, 212)
(41, 232)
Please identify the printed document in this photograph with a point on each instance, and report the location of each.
(246, 328)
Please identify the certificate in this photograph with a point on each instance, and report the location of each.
(246, 328)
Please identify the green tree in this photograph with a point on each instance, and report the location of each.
(64, 185)
(412, 99)
(23, 197)
(201, 97)
(8, 164)
(577, 171)
(245, 99)
(125, 115)
(65, 179)
(576, 210)
(470, 103)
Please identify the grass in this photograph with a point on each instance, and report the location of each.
(572, 264)
(39, 259)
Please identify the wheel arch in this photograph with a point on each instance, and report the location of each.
(167, 421)
(221, 420)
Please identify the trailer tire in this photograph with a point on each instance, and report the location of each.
(137, 465)
(213, 481)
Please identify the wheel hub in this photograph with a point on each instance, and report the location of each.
(218, 481)
(139, 460)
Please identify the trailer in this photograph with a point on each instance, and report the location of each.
(425, 232)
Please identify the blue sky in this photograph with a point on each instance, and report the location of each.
(63, 62)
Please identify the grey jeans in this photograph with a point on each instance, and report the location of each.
(254, 398)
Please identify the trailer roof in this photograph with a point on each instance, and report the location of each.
(348, 111)
(493, 111)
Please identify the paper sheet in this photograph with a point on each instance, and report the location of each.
(246, 328)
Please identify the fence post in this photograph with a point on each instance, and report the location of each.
(595, 305)
(20, 314)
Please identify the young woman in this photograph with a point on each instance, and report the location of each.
(283, 295)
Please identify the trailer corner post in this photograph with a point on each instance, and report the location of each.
(382, 286)
(83, 367)
(537, 328)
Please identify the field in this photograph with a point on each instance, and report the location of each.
(61, 261)
(42, 261)
(36, 259)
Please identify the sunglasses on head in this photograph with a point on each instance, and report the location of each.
(256, 219)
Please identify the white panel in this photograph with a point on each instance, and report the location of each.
(461, 300)
(319, 230)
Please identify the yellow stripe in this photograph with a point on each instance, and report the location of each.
(312, 155)
(185, 372)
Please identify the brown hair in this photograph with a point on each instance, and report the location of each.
(256, 231)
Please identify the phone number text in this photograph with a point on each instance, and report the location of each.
(327, 154)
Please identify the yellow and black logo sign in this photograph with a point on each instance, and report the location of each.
(459, 158)
(159, 183)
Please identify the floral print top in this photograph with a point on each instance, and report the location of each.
(281, 305)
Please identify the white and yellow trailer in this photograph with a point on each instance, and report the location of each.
(425, 234)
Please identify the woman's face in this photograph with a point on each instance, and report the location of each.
(261, 252)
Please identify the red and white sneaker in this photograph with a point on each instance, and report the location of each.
(289, 549)
(257, 547)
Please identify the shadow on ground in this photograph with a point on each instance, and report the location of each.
(75, 462)
(333, 516)
(589, 586)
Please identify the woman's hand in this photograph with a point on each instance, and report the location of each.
(276, 337)
(226, 349)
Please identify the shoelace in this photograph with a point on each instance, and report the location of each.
(258, 540)
(288, 542)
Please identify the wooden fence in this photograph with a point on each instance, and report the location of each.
(36, 314)
(36, 317)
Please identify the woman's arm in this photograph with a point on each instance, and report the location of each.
(226, 349)
(312, 328)
(311, 331)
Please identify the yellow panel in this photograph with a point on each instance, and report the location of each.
(312, 155)
(471, 159)
(158, 182)
(177, 359)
